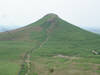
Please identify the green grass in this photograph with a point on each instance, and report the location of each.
(43, 65)
(69, 40)
(9, 68)
(65, 39)
(11, 55)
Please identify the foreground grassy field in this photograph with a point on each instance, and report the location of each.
(49, 46)
(65, 66)
(11, 55)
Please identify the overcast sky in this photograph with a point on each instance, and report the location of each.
(83, 13)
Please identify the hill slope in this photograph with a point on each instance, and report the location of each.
(39, 42)
(63, 36)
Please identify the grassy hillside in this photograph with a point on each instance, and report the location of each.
(50, 46)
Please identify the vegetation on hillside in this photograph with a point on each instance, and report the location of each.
(49, 46)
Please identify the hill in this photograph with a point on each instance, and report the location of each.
(43, 46)
(61, 34)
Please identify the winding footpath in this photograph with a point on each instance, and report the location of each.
(26, 65)
(26, 59)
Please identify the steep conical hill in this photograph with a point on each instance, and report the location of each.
(63, 37)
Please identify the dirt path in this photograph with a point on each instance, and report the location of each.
(26, 59)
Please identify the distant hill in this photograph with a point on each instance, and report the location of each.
(92, 29)
(95, 30)
(8, 28)
(1, 30)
